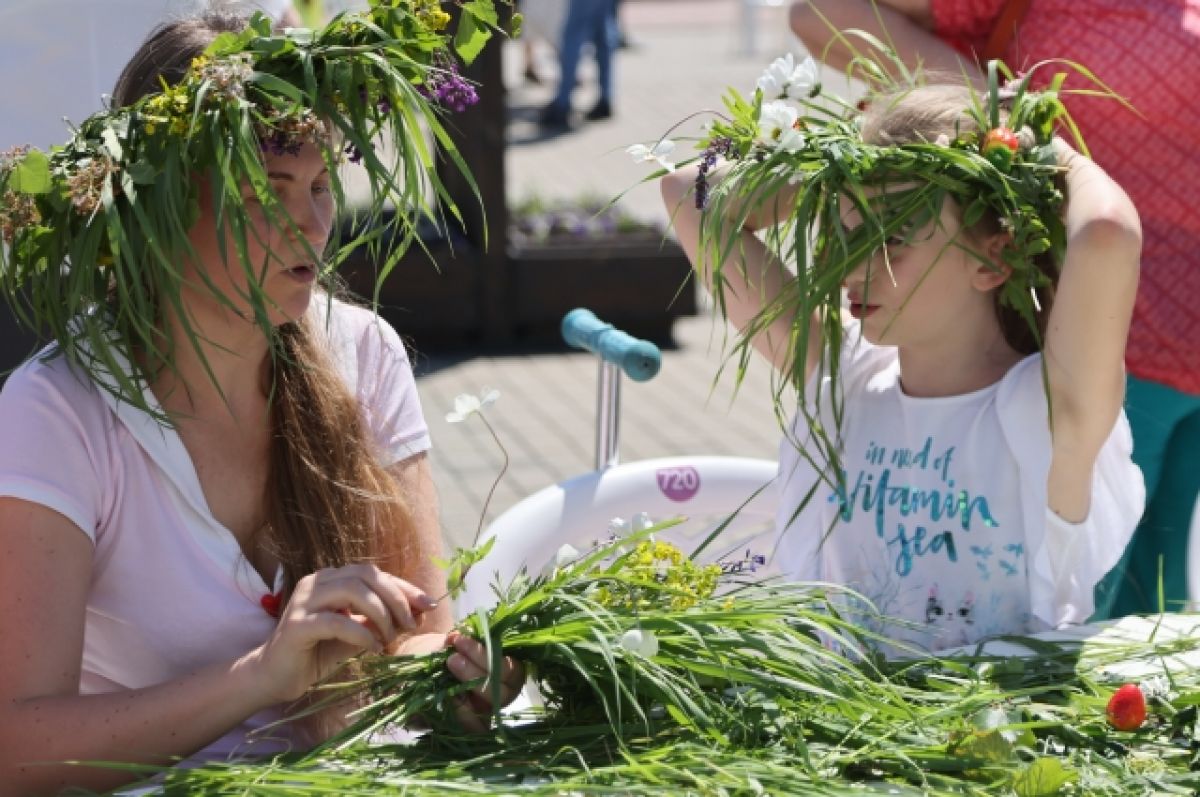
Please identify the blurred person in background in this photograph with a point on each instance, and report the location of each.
(1147, 51)
(588, 21)
(543, 24)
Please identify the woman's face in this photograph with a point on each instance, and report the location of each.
(279, 261)
(916, 290)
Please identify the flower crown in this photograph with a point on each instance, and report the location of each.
(792, 135)
(792, 129)
(108, 213)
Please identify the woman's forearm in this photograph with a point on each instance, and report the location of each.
(155, 725)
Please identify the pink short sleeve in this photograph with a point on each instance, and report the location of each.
(54, 450)
(374, 363)
(389, 394)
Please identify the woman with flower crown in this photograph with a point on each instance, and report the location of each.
(953, 337)
(213, 488)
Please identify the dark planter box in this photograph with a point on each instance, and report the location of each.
(430, 297)
(639, 283)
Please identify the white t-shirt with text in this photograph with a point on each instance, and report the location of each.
(941, 519)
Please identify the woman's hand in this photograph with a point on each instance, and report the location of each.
(334, 614)
(469, 662)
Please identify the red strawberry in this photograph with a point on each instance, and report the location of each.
(271, 603)
(1127, 708)
(999, 146)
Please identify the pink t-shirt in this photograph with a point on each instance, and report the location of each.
(171, 591)
(1147, 51)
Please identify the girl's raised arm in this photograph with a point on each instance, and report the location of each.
(751, 284)
(1088, 325)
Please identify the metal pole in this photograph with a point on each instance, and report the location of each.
(608, 410)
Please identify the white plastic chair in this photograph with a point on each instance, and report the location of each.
(706, 490)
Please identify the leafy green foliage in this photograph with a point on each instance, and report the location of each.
(97, 230)
(753, 689)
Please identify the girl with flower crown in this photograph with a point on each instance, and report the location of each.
(953, 336)
(1149, 149)
(213, 486)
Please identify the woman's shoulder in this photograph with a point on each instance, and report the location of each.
(363, 346)
(49, 378)
(351, 326)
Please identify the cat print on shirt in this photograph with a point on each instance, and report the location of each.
(949, 620)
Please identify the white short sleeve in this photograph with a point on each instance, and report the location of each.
(54, 448)
(389, 396)
(1067, 560)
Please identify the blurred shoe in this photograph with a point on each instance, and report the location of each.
(554, 116)
(601, 110)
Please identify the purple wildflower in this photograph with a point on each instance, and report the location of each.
(747, 564)
(718, 147)
(281, 143)
(450, 90)
(353, 154)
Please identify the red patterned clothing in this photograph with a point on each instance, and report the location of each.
(1148, 51)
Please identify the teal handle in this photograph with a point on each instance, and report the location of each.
(639, 359)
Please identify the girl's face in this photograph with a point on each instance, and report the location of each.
(278, 258)
(918, 290)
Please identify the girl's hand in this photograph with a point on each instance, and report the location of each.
(334, 614)
(1064, 152)
(468, 663)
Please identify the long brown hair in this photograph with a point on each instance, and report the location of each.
(940, 109)
(329, 501)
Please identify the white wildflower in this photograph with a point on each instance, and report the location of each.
(642, 643)
(803, 78)
(1155, 686)
(774, 80)
(784, 78)
(466, 404)
(566, 555)
(777, 127)
(657, 153)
